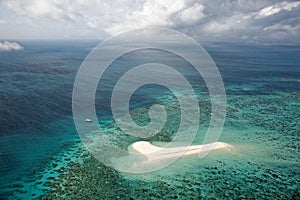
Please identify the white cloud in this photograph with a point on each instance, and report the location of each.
(283, 29)
(149, 13)
(216, 27)
(228, 25)
(270, 10)
(192, 14)
(280, 27)
(10, 46)
(274, 9)
(55, 10)
(290, 5)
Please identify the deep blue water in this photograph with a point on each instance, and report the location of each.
(36, 90)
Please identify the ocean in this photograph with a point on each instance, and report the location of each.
(42, 156)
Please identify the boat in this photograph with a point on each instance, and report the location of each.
(88, 120)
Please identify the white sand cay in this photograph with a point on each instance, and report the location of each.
(153, 152)
(145, 157)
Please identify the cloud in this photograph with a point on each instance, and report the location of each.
(10, 46)
(192, 14)
(250, 21)
(2, 21)
(274, 9)
(256, 20)
(44, 9)
(148, 13)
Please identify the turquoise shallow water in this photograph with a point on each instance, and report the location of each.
(42, 156)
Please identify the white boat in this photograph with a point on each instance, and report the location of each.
(88, 120)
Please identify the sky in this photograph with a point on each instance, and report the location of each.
(204, 20)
